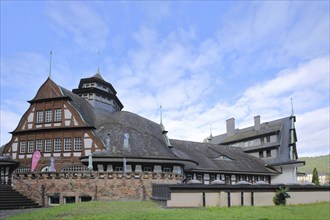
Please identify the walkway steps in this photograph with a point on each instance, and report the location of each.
(12, 199)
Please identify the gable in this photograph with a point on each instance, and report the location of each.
(48, 90)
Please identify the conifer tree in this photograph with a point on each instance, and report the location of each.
(315, 178)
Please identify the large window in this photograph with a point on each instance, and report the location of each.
(40, 116)
(77, 144)
(58, 115)
(22, 146)
(74, 168)
(48, 145)
(30, 147)
(48, 116)
(39, 145)
(67, 144)
(57, 144)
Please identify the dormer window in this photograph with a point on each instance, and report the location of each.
(222, 157)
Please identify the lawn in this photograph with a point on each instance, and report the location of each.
(150, 210)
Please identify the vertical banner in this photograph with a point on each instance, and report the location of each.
(35, 159)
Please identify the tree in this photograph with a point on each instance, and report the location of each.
(315, 178)
(281, 196)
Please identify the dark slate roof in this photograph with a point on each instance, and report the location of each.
(281, 126)
(207, 155)
(247, 133)
(81, 105)
(145, 137)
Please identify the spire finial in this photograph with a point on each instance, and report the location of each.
(98, 62)
(292, 112)
(210, 130)
(161, 114)
(50, 66)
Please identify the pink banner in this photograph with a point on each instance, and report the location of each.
(35, 159)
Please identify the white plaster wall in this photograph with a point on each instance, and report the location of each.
(185, 200)
(288, 175)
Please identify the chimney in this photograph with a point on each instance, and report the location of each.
(257, 123)
(230, 124)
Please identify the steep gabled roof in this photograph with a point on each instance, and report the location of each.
(48, 91)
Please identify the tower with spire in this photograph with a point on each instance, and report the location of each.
(99, 93)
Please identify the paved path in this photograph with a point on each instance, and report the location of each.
(6, 213)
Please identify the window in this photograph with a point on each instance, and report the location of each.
(167, 170)
(22, 170)
(268, 153)
(58, 115)
(39, 145)
(261, 154)
(48, 145)
(262, 140)
(57, 144)
(69, 199)
(67, 144)
(22, 146)
(40, 116)
(54, 200)
(85, 198)
(74, 168)
(48, 116)
(77, 144)
(268, 138)
(30, 147)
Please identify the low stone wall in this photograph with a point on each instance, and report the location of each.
(185, 195)
(97, 185)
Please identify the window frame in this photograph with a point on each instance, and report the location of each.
(57, 144)
(58, 115)
(48, 148)
(48, 116)
(22, 147)
(40, 117)
(67, 144)
(39, 145)
(77, 144)
(30, 146)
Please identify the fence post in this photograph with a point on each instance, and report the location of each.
(252, 199)
(228, 199)
(242, 198)
(203, 199)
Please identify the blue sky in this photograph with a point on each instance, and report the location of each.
(204, 62)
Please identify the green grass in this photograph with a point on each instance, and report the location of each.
(149, 210)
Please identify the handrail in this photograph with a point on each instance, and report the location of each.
(42, 192)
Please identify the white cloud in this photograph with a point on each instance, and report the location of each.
(9, 121)
(313, 132)
(75, 20)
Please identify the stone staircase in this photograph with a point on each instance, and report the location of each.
(12, 199)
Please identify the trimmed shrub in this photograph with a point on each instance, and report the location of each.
(281, 196)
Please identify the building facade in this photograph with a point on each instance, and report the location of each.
(91, 148)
